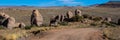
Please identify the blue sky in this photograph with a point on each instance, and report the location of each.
(50, 2)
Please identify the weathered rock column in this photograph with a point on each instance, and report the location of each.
(36, 18)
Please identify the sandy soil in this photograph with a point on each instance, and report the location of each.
(71, 34)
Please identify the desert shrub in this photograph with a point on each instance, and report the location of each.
(112, 33)
(11, 37)
(44, 25)
(86, 16)
(36, 32)
(97, 18)
(63, 23)
(28, 27)
(1, 37)
(1, 27)
(109, 24)
(93, 24)
(55, 26)
(76, 18)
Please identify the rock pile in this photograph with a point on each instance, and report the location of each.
(8, 22)
(64, 18)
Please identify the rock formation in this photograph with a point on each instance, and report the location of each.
(118, 21)
(57, 18)
(54, 20)
(21, 25)
(78, 12)
(69, 14)
(4, 16)
(62, 18)
(108, 19)
(36, 18)
(9, 23)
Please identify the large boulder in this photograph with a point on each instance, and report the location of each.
(54, 20)
(78, 12)
(57, 18)
(69, 14)
(108, 19)
(4, 16)
(36, 18)
(118, 21)
(1, 15)
(9, 23)
(62, 18)
(21, 25)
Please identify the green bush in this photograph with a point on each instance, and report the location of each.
(97, 18)
(1, 27)
(93, 24)
(44, 25)
(76, 18)
(28, 27)
(109, 24)
(63, 23)
(86, 16)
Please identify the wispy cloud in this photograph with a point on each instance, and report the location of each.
(71, 2)
(68, 1)
(60, 3)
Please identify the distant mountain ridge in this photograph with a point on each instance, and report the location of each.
(110, 4)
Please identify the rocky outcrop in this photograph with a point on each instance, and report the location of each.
(4, 16)
(62, 18)
(118, 21)
(36, 18)
(54, 20)
(108, 19)
(57, 18)
(9, 23)
(21, 25)
(78, 12)
(69, 14)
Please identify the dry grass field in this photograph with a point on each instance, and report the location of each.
(22, 14)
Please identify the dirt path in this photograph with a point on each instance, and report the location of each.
(72, 34)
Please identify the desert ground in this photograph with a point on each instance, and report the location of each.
(72, 34)
(72, 31)
(22, 14)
